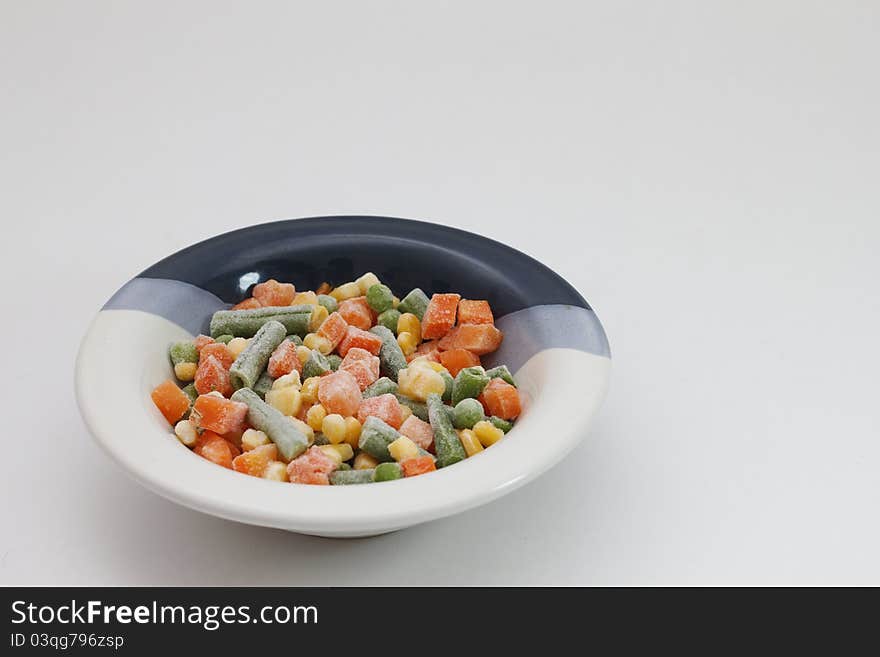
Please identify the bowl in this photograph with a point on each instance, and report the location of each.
(554, 345)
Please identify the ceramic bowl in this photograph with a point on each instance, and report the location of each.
(554, 344)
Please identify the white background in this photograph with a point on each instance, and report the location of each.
(705, 173)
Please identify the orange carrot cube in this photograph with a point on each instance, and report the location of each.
(248, 304)
(211, 376)
(457, 359)
(428, 349)
(333, 328)
(418, 465)
(479, 339)
(214, 448)
(385, 407)
(273, 293)
(357, 312)
(171, 401)
(283, 360)
(255, 461)
(362, 365)
(418, 431)
(340, 393)
(201, 340)
(501, 399)
(219, 351)
(355, 337)
(311, 467)
(474, 312)
(440, 315)
(218, 414)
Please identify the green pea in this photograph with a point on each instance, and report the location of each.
(387, 472)
(467, 413)
(380, 297)
(389, 318)
(183, 352)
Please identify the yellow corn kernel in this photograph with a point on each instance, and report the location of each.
(252, 438)
(470, 442)
(287, 400)
(185, 371)
(186, 432)
(352, 431)
(364, 461)
(418, 382)
(405, 411)
(403, 448)
(410, 323)
(315, 416)
(407, 343)
(319, 314)
(319, 342)
(333, 427)
(487, 433)
(236, 346)
(346, 291)
(287, 381)
(367, 281)
(303, 353)
(308, 298)
(395, 302)
(276, 471)
(424, 361)
(309, 389)
(305, 428)
(340, 453)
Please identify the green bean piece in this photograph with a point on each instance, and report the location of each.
(380, 298)
(388, 319)
(246, 323)
(501, 372)
(316, 365)
(344, 466)
(295, 339)
(225, 338)
(504, 425)
(418, 408)
(335, 361)
(376, 435)
(291, 442)
(391, 358)
(263, 385)
(416, 302)
(251, 362)
(467, 413)
(328, 302)
(387, 472)
(183, 352)
(191, 392)
(450, 382)
(381, 386)
(446, 442)
(321, 439)
(351, 477)
(469, 382)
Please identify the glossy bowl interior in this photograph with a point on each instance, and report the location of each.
(553, 343)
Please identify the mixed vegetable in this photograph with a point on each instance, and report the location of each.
(345, 385)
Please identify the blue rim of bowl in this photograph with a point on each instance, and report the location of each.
(534, 305)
